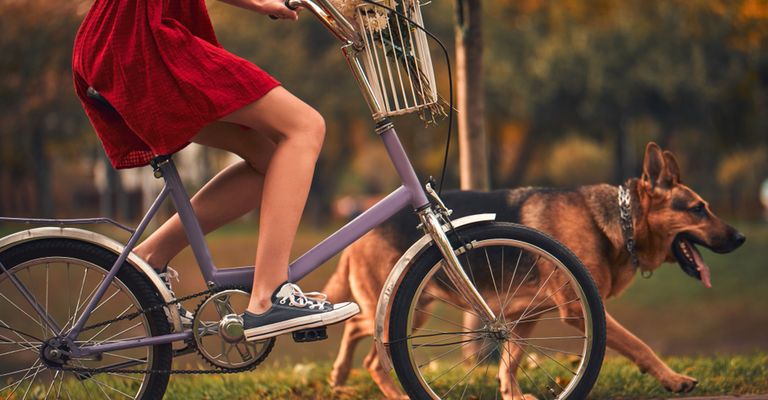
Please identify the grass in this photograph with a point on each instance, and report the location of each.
(739, 375)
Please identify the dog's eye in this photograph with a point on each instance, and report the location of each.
(699, 209)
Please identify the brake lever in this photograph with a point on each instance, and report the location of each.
(289, 5)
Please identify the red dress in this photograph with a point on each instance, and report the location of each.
(160, 66)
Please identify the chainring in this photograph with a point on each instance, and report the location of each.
(217, 345)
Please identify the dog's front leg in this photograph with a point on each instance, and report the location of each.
(630, 346)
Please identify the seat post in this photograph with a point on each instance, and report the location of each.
(166, 169)
(159, 161)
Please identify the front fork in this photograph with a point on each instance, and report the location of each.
(430, 222)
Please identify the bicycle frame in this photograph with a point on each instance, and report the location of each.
(409, 193)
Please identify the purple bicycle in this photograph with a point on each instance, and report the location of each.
(82, 315)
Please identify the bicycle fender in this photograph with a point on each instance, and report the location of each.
(104, 242)
(402, 266)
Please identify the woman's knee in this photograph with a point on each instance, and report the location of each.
(308, 131)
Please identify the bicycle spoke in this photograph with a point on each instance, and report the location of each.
(50, 387)
(467, 374)
(533, 383)
(541, 368)
(441, 343)
(111, 354)
(35, 320)
(103, 385)
(551, 338)
(550, 296)
(443, 354)
(442, 319)
(538, 257)
(556, 306)
(537, 294)
(16, 332)
(570, 353)
(452, 287)
(133, 378)
(512, 280)
(105, 327)
(120, 333)
(450, 303)
(527, 320)
(495, 289)
(483, 348)
(27, 376)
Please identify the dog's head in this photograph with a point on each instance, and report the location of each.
(678, 218)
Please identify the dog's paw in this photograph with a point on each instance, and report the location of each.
(679, 383)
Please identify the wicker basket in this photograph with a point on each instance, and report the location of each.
(396, 60)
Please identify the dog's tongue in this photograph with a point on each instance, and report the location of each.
(702, 267)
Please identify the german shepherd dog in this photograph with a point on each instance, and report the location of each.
(669, 219)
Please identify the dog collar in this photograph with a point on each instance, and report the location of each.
(627, 228)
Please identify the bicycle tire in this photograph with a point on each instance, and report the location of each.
(154, 385)
(425, 267)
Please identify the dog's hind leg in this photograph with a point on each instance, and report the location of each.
(354, 330)
(509, 361)
(337, 288)
(470, 350)
(382, 378)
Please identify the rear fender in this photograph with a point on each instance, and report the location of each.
(105, 243)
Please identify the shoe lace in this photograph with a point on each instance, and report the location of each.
(297, 298)
(167, 275)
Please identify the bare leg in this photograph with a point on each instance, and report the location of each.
(284, 151)
(300, 131)
(228, 187)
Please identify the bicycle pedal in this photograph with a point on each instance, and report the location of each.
(310, 335)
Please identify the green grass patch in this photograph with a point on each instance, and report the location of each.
(619, 379)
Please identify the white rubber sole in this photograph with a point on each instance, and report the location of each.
(342, 313)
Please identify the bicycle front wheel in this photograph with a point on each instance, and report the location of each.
(548, 339)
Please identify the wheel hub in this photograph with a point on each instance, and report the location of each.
(55, 353)
(499, 332)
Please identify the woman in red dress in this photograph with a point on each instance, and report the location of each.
(159, 65)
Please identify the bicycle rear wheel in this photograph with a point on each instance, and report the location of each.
(549, 336)
(62, 275)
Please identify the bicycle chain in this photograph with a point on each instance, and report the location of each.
(219, 370)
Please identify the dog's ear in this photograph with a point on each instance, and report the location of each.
(673, 169)
(653, 166)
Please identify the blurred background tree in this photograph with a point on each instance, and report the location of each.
(573, 89)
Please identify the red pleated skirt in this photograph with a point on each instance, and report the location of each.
(160, 66)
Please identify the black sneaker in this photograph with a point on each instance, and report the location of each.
(293, 310)
(166, 275)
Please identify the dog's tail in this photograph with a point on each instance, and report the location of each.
(337, 288)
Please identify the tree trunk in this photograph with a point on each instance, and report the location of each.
(473, 154)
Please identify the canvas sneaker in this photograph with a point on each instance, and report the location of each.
(168, 274)
(293, 310)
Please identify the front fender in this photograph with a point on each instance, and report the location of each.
(105, 243)
(402, 266)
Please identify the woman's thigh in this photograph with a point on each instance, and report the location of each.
(254, 147)
(279, 114)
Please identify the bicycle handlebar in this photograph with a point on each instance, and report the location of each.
(331, 18)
